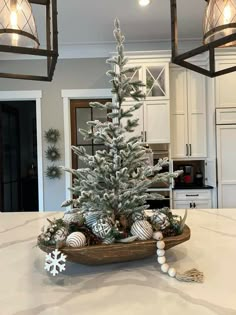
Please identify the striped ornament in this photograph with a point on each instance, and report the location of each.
(91, 218)
(108, 240)
(142, 229)
(73, 218)
(76, 239)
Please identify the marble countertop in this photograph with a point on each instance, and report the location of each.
(132, 288)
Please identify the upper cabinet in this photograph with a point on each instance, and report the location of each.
(154, 74)
(225, 85)
(188, 114)
(154, 115)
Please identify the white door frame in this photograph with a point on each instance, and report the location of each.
(32, 96)
(68, 95)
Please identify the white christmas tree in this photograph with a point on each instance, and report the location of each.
(114, 183)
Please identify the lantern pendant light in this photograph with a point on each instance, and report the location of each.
(17, 24)
(219, 29)
(220, 21)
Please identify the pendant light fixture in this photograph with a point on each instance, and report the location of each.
(219, 30)
(18, 34)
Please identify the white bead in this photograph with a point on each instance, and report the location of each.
(161, 260)
(157, 236)
(160, 244)
(160, 252)
(164, 268)
(172, 272)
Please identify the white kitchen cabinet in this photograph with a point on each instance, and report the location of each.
(225, 85)
(226, 157)
(155, 76)
(188, 114)
(192, 199)
(154, 121)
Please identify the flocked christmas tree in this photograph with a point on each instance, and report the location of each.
(113, 186)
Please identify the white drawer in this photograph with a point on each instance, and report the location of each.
(199, 204)
(192, 194)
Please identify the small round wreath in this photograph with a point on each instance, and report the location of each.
(53, 172)
(52, 135)
(52, 153)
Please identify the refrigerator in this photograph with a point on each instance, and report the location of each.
(226, 156)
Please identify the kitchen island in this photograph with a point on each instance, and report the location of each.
(132, 288)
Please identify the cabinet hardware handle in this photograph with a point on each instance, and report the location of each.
(142, 136)
(190, 205)
(194, 205)
(195, 195)
(145, 136)
(190, 149)
(186, 149)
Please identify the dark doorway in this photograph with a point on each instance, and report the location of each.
(18, 156)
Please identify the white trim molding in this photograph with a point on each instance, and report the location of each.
(68, 95)
(32, 96)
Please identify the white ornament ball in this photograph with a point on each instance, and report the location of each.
(161, 260)
(172, 272)
(160, 244)
(160, 252)
(165, 268)
(76, 239)
(157, 236)
(60, 235)
(142, 229)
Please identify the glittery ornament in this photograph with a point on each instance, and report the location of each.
(60, 235)
(73, 218)
(161, 220)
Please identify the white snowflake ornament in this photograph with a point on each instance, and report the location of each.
(55, 262)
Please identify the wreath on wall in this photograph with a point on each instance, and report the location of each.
(52, 153)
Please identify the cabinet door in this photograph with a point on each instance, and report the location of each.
(226, 157)
(157, 122)
(225, 85)
(134, 75)
(136, 114)
(156, 78)
(196, 86)
(178, 110)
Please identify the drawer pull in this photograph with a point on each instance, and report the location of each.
(196, 195)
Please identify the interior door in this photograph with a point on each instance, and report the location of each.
(10, 196)
(81, 112)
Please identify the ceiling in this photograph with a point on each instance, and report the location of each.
(86, 26)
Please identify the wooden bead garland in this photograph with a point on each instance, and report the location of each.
(192, 275)
(76, 239)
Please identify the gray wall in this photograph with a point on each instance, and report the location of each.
(69, 74)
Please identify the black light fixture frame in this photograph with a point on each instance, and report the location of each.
(51, 51)
(210, 48)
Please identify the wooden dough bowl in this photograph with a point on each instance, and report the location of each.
(118, 252)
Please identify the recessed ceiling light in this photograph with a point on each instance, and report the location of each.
(144, 3)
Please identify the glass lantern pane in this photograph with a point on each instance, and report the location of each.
(17, 15)
(155, 81)
(220, 17)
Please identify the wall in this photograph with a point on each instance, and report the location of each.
(69, 74)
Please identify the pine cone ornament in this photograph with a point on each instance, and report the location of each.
(160, 221)
(102, 228)
(60, 235)
(142, 229)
